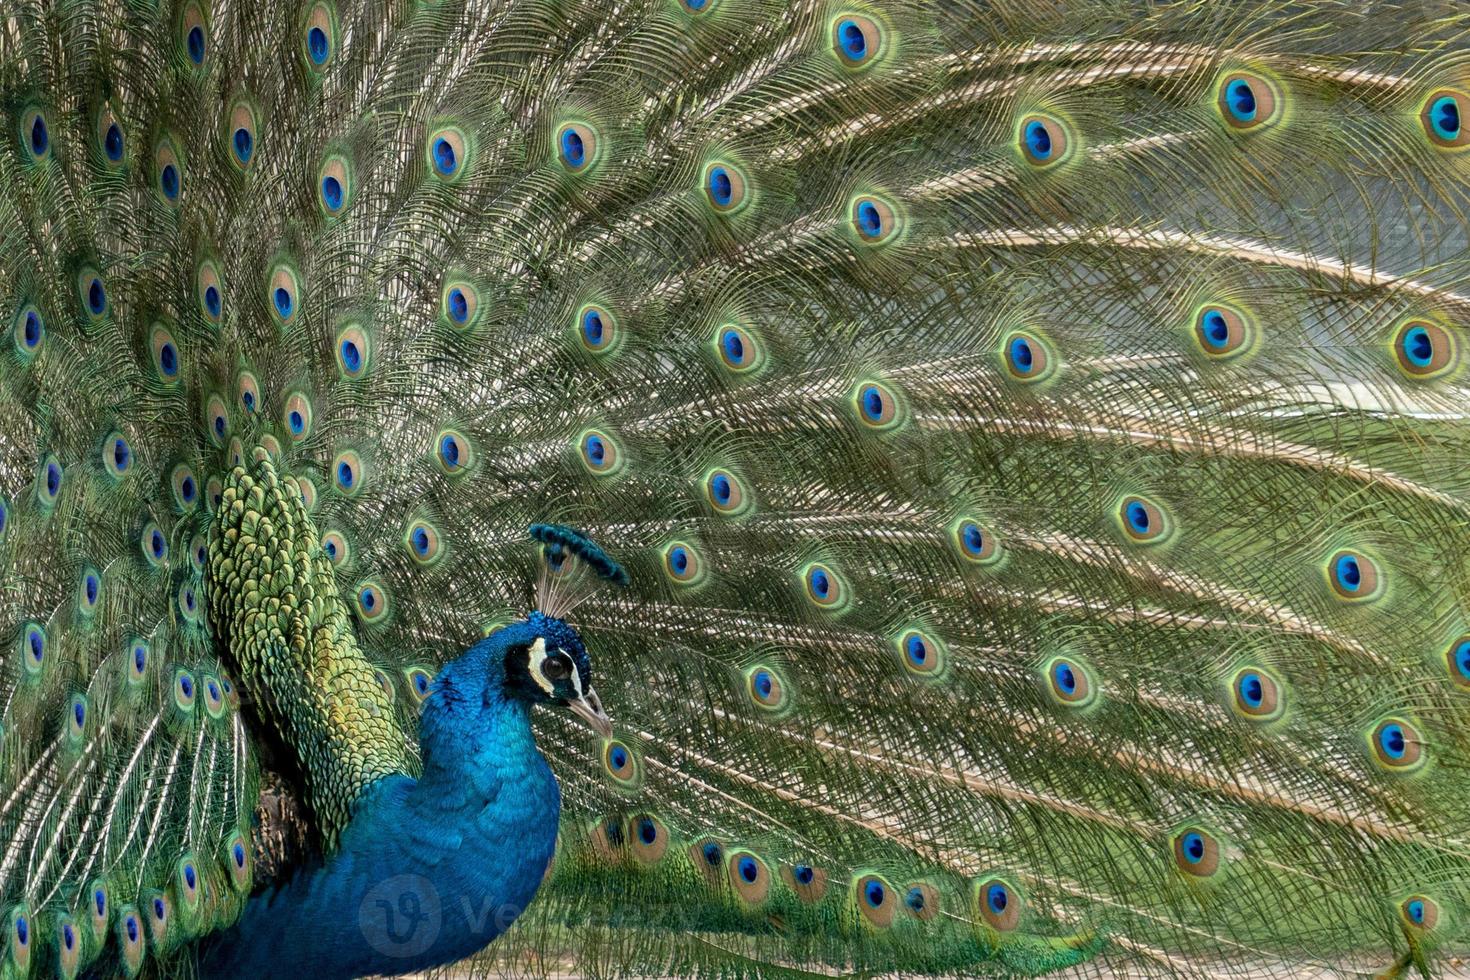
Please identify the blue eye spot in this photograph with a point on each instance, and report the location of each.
(748, 870)
(37, 642)
(870, 220)
(212, 301)
(721, 190)
(213, 690)
(132, 927)
(298, 424)
(421, 681)
(196, 45)
(40, 139)
(68, 936)
(1216, 330)
(168, 359)
(763, 683)
(156, 544)
(187, 489)
(351, 356)
(1416, 911)
(140, 660)
(872, 400)
(1193, 846)
(92, 586)
(1418, 347)
(168, 181)
(804, 874)
(820, 583)
(96, 297)
(618, 757)
(332, 193)
(159, 909)
(120, 455)
(22, 930)
(31, 332)
(369, 599)
(647, 832)
(53, 479)
(317, 45)
(238, 853)
(1444, 116)
(189, 876)
(997, 898)
(186, 686)
(1065, 677)
(1461, 658)
(916, 649)
(219, 425)
(915, 899)
(1349, 574)
(874, 893)
(248, 398)
(449, 451)
(244, 145)
(720, 487)
(592, 327)
(421, 541)
(1241, 99)
(972, 538)
(283, 301)
(854, 44)
(1252, 691)
(445, 160)
(112, 143)
(711, 852)
(344, 474)
(679, 560)
(596, 450)
(1021, 354)
(734, 347)
(1138, 518)
(1391, 739)
(79, 712)
(459, 306)
(1038, 140)
(573, 150)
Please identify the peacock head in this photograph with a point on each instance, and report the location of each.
(546, 662)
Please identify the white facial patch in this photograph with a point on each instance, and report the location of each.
(533, 664)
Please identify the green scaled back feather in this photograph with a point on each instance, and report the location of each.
(1035, 434)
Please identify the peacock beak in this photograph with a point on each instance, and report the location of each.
(589, 708)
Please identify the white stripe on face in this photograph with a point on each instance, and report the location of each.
(533, 664)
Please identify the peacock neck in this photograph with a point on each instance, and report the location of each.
(429, 870)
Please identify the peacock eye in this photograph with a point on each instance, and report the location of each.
(557, 668)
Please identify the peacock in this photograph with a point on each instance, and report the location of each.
(734, 488)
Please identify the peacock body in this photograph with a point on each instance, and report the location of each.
(1002, 464)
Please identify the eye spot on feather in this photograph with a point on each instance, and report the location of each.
(49, 477)
(683, 564)
(76, 718)
(621, 764)
(423, 542)
(1424, 350)
(875, 900)
(194, 35)
(249, 389)
(1142, 520)
(136, 661)
(1419, 912)
(372, 602)
(1457, 657)
(1044, 140)
(334, 186)
(214, 490)
(284, 289)
(599, 453)
(596, 328)
(876, 405)
(453, 452)
(29, 330)
(420, 683)
(92, 292)
(724, 187)
(737, 348)
(347, 472)
(448, 153)
(160, 911)
(110, 140)
(766, 689)
(974, 542)
(725, 493)
(1069, 683)
(874, 219)
(460, 303)
(130, 938)
(242, 135)
(1353, 576)
(1397, 745)
(185, 488)
(352, 352)
(187, 881)
(35, 135)
(1222, 331)
(998, 904)
(319, 42)
(921, 654)
(185, 690)
(577, 146)
(650, 839)
(1196, 852)
(188, 601)
(297, 416)
(89, 591)
(749, 877)
(33, 648)
(1247, 101)
(217, 419)
(1026, 357)
(168, 170)
(69, 947)
(1443, 119)
(708, 857)
(921, 900)
(856, 40)
(154, 545)
(1256, 695)
(211, 292)
(822, 585)
(808, 881)
(214, 696)
(117, 455)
